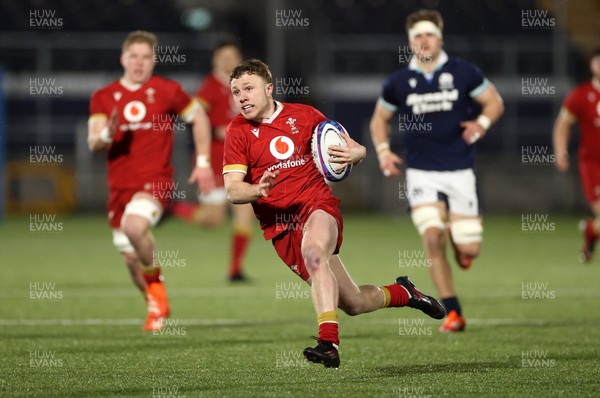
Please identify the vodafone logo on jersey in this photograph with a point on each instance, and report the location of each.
(134, 111)
(281, 147)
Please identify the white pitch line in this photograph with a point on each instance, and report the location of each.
(242, 322)
(490, 321)
(132, 292)
(124, 322)
(266, 291)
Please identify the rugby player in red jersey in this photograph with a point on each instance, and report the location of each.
(127, 121)
(215, 97)
(582, 106)
(268, 163)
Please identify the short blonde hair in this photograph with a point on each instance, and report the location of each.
(252, 67)
(140, 36)
(425, 15)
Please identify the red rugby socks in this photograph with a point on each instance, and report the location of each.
(152, 275)
(239, 244)
(328, 327)
(395, 295)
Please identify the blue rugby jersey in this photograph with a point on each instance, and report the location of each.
(430, 109)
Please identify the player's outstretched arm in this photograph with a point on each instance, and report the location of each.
(492, 108)
(101, 131)
(380, 135)
(560, 138)
(202, 173)
(239, 191)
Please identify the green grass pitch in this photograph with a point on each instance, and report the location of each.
(70, 319)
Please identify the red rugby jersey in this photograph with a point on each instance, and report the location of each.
(280, 143)
(141, 149)
(584, 102)
(217, 100)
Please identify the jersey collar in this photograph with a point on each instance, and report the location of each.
(596, 84)
(130, 87)
(275, 114)
(442, 59)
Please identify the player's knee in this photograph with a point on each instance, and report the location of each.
(434, 240)
(209, 219)
(426, 218)
(244, 219)
(216, 197)
(472, 249)
(352, 308)
(314, 258)
(469, 249)
(133, 229)
(467, 234)
(140, 214)
(213, 209)
(132, 261)
(122, 243)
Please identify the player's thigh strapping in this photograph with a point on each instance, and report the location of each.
(124, 202)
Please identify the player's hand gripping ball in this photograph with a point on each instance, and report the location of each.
(326, 134)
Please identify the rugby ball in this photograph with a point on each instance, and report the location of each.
(329, 133)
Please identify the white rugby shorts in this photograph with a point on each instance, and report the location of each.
(429, 186)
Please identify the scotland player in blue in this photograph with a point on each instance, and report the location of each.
(444, 106)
